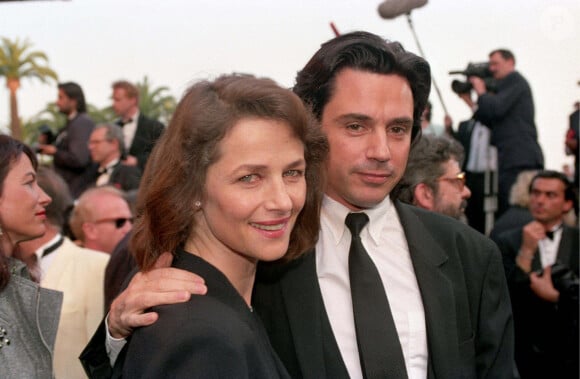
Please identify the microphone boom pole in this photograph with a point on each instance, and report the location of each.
(410, 21)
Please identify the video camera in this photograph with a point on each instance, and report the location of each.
(480, 70)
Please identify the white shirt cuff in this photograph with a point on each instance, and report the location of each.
(112, 344)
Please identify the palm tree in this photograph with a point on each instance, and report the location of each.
(18, 62)
(153, 102)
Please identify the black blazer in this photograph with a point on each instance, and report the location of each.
(147, 133)
(122, 177)
(464, 293)
(546, 333)
(211, 336)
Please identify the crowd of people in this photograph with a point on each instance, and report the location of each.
(327, 231)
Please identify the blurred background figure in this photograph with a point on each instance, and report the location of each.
(509, 113)
(107, 148)
(101, 218)
(571, 143)
(77, 272)
(427, 127)
(433, 179)
(480, 167)
(140, 132)
(70, 151)
(28, 314)
(541, 261)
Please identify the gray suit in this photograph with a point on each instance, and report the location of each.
(29, 315)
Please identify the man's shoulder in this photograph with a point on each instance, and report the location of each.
(85, 255)
(149, 122)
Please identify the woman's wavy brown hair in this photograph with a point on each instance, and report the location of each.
(176, 170)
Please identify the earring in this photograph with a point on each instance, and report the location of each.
(197, 204)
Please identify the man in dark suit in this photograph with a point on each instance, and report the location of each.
(107, 147)
(509, 113)
(447, 296)
(70, 149)
(541, 262)
(140, 132)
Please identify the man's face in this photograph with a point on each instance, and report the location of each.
(499, 66)
(65, 104)
(547, 201)
(451, 196)
(368, 122)
(107, 227)
(102, 151)
(122, 104)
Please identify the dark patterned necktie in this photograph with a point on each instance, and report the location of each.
(378, 343)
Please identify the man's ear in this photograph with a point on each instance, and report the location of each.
(89, 231)
(423, 196)
(568, 204)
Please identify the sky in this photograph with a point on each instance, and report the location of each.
(177, 42)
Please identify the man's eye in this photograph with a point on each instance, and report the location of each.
(355, 126)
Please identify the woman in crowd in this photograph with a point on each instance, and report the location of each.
(235, 179)
(28, 314)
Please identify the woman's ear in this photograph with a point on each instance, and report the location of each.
(423, 196)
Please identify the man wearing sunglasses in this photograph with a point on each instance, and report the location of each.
(433, 179)
(101, 218)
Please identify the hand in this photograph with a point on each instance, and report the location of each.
(543, 286)
(47, 149)
(130, 161)
(478, 85)
(532, 233)
(161, 285)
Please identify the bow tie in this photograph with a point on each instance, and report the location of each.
(550, 233)
(104, 170)
(122, 123)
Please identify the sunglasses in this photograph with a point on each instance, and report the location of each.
(119, 222)
(459, 180)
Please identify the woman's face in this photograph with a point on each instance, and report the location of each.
(22, 203)
(255, 191)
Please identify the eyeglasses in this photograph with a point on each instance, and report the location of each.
(119, 222)
(459, 180)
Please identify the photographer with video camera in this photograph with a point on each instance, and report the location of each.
(541, 265)
(509, 113)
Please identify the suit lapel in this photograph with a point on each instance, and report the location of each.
(565, 249)
(430, 263)
(304, 307)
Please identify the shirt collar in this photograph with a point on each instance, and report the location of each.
(40, 250)
(333, 215)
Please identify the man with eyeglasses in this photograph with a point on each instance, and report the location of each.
(101, 218)
(433, 178)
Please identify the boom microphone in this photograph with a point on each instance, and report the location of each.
(394, 8)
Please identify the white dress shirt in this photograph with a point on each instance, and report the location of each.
(386, 244)
(549, 247)
(129, 130)
(45, 261)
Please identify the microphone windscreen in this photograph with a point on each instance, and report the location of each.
(394, 8)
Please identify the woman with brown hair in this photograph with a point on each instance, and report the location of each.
(28, 314)
(234, 180)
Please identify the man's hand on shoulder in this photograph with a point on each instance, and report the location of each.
(162, 285)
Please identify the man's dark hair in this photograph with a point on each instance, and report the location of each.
(75, 92)
(425, 165)
(569, 193)
(365, 52)
(505, 54)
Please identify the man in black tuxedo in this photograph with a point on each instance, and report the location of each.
(70, 149)
(447, 296)
(541, 262)
(509, 113)
(140, 132)
(107, 147)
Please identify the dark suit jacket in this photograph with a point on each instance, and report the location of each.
(122, 177)
(211, 336)
(464, 293)
(543, 345)
(72, 157)
(147, 133)
(510, 115)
